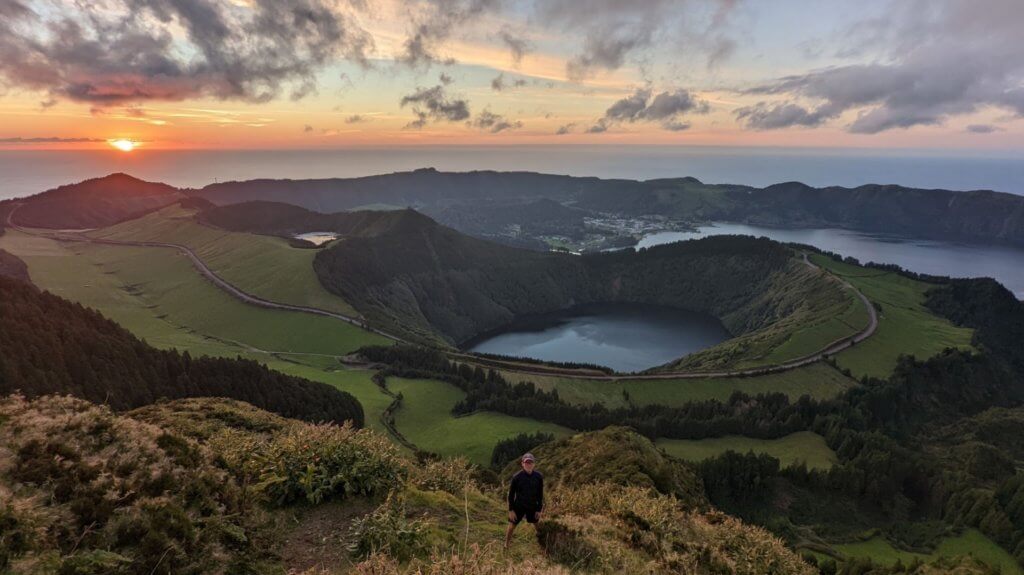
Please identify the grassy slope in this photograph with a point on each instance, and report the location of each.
(425, 419)
(905, 326)
(970, 542)
(803, 446)
(264, 266)
(850, 317)
(820, 381)
(157, 294)
(813, 311)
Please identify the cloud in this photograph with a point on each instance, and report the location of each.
(565, 129)
(435, 104)
(517, 46)
(498, 84)
(356, 119)
(614, 30)
(307, 128)
(764, 116)
(129, 51)
(493, 123)
(445, 79)
(675, 125)
(666, 107)
(948, 60)
(983, 129)
(46, 140)
(434, 24)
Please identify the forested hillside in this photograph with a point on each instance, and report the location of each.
(11, 266)
(49, 345)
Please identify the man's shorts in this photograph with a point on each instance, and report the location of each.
(530, 516)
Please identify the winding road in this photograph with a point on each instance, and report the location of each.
(528, 369)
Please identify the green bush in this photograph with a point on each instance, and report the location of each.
(387, 530)
(313, 463)
(451, 475)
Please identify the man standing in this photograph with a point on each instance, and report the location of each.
(525, 496)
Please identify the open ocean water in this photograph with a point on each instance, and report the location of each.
(25, 172)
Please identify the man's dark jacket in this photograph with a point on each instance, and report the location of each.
(526, 492)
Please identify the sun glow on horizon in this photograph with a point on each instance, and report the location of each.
(123, 144)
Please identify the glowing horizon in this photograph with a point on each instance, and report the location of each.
(704, 72)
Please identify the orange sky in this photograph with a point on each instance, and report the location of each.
(352, 104)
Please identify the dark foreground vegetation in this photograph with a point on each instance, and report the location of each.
(49, 345)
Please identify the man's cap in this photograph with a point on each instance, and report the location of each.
(529, 457)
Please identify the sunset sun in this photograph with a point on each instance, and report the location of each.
(124, 145)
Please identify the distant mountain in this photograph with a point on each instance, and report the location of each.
(939, 214)
(473, 199)
(402, 189)
(94, 203)
(281, 219)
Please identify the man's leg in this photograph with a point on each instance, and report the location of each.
(508, 533)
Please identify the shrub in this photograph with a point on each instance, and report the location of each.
(451, 475)
(114, 494)
(387, 530)
(313, 463)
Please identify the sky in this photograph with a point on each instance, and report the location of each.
(302, 74)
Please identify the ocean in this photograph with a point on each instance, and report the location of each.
(26, 172)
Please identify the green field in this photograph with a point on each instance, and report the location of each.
(264, 266)
(905, 326)
(425, 419)
(819, 381)
(802, 446)
(842, 320)
(970, 542)
(158, 295)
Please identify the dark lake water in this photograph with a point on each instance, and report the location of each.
(1004, 263)
(624, 337)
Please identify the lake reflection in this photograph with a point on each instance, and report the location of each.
(624, 337)
(1004, 263)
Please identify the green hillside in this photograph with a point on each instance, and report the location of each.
(905, 325)
(157, 294)
(264, 266)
